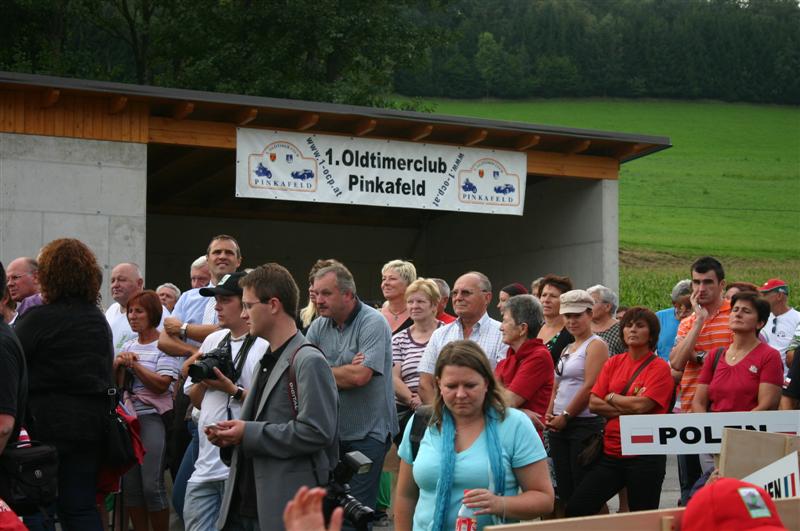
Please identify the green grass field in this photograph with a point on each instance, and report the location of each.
(729, 186)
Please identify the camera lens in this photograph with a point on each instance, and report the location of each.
(356, 512)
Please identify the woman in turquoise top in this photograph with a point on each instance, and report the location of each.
(473, 443)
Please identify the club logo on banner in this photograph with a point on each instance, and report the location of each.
(335, 169)
(487, 182)
(696, 433)
(282, 166)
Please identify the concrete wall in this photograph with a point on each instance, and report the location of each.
(54, 187)
(570, 227)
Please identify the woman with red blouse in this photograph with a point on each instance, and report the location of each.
(749, 375)
(636, 382)
(527, 370)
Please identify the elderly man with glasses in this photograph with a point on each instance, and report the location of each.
(23, 284)
(471, 296)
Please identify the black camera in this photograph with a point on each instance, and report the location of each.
(355, 512)
(220, 357)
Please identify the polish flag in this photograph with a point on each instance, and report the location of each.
(642, 436)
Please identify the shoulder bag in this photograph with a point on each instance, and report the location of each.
(593, 444)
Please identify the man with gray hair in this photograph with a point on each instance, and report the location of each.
(169, 294)
(199, 274)
(444, 292)
(670, 318)
(357, 343)
(471, 294)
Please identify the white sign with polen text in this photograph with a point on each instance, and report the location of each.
(389, 173)
(780, 479)
(696, 433)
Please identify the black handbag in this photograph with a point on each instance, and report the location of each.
(592, 448)
(118, 449)
(29, 476)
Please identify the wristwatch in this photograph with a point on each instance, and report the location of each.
(184, 327)
(239, 394)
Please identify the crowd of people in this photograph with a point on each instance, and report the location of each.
(247, 400)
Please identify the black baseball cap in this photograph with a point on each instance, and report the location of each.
(228, 285)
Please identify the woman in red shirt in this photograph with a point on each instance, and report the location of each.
(749, 375)
(636, 382)
(527, 371)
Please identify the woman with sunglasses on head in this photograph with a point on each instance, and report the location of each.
(748, 376)
(636, 382)
(569, 421)
(475, 447)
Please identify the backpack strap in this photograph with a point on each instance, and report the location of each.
(419, 424)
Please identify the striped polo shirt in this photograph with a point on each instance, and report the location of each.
(714, 334)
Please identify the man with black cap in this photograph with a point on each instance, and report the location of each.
(218, 397)
(783, 319)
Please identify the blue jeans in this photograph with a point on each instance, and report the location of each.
(186, 469)
(77, 485)
(364, 487)
(202, 503)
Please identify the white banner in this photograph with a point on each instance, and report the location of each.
(696, 433)
(388, 173)
(781, 479)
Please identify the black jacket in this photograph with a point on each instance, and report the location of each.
(69, 352)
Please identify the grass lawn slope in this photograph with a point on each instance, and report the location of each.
(729, 186)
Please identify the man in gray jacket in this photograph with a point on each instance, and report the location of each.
(287, 437)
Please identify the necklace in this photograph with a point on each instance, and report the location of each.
(395, 315)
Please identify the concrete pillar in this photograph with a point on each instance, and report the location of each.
(52, 187)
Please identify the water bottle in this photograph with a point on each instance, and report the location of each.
(466, 521)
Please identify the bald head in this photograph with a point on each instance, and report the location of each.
(22, 278)
(472, 293)
(126, 281)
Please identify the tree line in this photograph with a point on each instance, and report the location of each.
(365, 52)
(734, 50)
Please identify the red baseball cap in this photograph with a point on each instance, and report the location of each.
(731, 505)
(774, 284)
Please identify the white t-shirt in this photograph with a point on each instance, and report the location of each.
(784, 326)
(121, 329)
(208, 466)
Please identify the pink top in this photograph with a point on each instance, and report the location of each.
(735, 388)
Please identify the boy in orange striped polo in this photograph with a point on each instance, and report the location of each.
(698, 338)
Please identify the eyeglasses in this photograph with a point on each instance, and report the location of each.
(249, 305)
(17, 277)
(561, 362)
(774, 324)
(465, 292)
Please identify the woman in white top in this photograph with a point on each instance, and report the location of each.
(569, 421)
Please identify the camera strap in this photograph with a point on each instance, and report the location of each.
(293, 399)
(238, 363)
